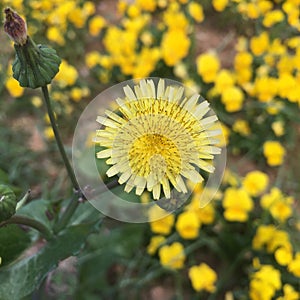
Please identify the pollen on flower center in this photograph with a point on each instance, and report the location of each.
(156, 154)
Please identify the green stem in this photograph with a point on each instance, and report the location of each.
(68, 213)
(78, 194)
(23, 220)
(58, 139)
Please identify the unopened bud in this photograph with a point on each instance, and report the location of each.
(35, 65)
(15, 27)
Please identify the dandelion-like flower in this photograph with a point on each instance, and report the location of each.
(158, 138)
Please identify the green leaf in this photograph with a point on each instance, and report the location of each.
(13, 241)
(23, 277)
(37, 210)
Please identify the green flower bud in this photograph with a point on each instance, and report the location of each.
(8, 203)
(35, 65)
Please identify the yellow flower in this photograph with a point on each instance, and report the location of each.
(233, 98)
(279, 206)
(241, 127)
(279, 239)
(203, 278)
(55, 35)
(143, 146)
(206, 214)
(146, 62)
(286, 64)
(271, 238)
(188, 225)
(219, 5)
(294, 265)
(96, 24)
(155, 242)
(278, 128)
(78, 17)
(175, 20)
(263, 236)
(160, 225)
(273, 17)
(255, 183)
(133, 11)
(274, 153)
(92, 59)
(289, 293)
(147, 5)
(37, 101)
(48, 133)
(196, 11)
(172, 256)
(174, 46)
(223, 81)
(76, 94)
(208, 66)
(242, 60)
(264, 283)
(259, 44)
(286, 85)
(13, 87)
(265, 88)
(67, 74)
(121, 6)
(237, 205)
(283, 255)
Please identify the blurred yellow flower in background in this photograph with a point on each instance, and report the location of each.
(67, 74)
(232, 98)
(196, 11)
(188, 225)
(219, 5)
(96, 24)
(237, 204)
(160, 226)
(203, 278)
(208, 66)
(172, 256)
(294, 265)
(259, 44)
(155, 242)
(274, 153)
(14, 88)
(242, 127)
(255, 183)
(174, 46)
(264, 283)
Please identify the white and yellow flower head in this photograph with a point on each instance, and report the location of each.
(158, 138)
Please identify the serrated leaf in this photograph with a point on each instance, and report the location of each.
(23, 277)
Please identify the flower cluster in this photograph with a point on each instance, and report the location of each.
(265, 251)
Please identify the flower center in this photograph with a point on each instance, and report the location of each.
(154, 154)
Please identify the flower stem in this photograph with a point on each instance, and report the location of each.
(68, 213)
(23, 220)
(77, 191)
(58, 139)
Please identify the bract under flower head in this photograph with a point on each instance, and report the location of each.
(157, 138)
